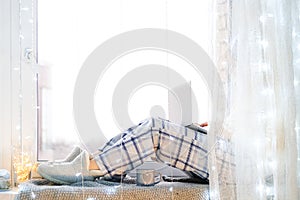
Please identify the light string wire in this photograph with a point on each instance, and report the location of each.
(82, 154)
(168, 74)
(30, 58)
(20, 92)
(12, 138)
(267, 84)
(33, 62)
(122, 144)
(34, 68)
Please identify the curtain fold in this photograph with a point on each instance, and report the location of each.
(296, 64)
(257, 55)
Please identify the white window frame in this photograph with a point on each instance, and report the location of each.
(18, 108)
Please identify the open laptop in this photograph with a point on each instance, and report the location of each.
(182, 106)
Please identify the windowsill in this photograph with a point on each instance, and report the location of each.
(9, 194)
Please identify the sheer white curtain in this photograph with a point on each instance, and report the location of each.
(296, 64)
(257, 54)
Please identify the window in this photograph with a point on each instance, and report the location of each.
(68, 31)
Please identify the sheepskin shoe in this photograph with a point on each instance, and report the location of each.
(67, 172)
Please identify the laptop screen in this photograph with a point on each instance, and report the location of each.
(180, 104)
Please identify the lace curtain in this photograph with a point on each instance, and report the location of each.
(257, 53)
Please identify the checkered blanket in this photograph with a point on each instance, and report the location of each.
(173, 144)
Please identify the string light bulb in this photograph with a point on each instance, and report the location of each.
(264, 18)
(33, 195)
(272, 165)
(267, 91)
(24, 9)
(260, 188)
(22, 164)
(264, 43)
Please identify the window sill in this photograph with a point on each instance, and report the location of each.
(10, 194)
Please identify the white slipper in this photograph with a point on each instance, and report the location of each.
(68, 172)
(70, 157)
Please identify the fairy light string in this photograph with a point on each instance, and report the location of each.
(23, 148)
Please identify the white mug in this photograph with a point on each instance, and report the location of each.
(147, 177)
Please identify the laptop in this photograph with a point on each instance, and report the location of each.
(182, 107)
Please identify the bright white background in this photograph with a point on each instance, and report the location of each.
(68, 31)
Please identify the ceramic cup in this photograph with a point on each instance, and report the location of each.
(147, 177)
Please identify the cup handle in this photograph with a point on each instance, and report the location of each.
(157, 178)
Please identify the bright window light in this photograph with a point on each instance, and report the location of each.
(68, 31)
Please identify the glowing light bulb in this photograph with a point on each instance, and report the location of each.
(270, 115)
(224, 63)
(262, 19)
(25, 9)
(260, 165)
(222, 145)
(213, 194)
(272, 165)
(260, 187)
(22, 165)
(257, 143)
(267, 91)
(264, 67)
(264, 43)
(27, 137)
(110, 191)
(78, 174)
(18, 127)
(32, 195)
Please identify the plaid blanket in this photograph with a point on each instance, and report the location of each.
(173, 144)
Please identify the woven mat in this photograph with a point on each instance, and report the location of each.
(104, 190)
